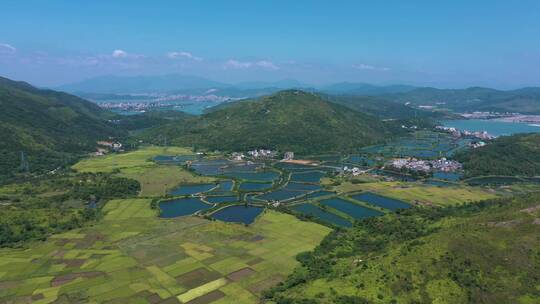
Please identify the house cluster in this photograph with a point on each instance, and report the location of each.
(354, 171)
(414, 164)
(106, 146)
(262, 153)
(464, 133)
(477, 144)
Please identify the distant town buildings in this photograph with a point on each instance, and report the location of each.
(465, 133)
(414, 164)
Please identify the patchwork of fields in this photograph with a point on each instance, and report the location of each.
(134, 257)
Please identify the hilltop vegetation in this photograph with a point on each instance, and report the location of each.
(52, 128)
(478, 253)
(287, 121)
(507, 155)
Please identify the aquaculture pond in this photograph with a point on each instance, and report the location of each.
(302, 187)
(181, 207)
(318, 194)
(360, 160)
(210, 166)
(247, 186)
(192, 189)
(172, 159)
(395, 175)
(381, 201)
(263, 176)
(221, 199)
(307, 177)
(280, 195)
(312, 210)
(353, 210)
(449, 176)
(238, 214)
(295, 167)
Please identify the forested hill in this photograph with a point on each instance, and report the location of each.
(485, 252)
(525, 100)
(50, 127)
(507, 155)
(288, 121)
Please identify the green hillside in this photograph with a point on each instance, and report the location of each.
(49, 127)
(288, 121)
(508, 155)
(478, 253)
(526, 100)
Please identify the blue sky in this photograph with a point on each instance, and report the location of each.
(450, 44)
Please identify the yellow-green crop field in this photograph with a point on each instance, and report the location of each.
(419, 193)
(155, 179)
(132, 256)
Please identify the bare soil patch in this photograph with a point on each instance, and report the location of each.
(66, 278)
(197, 277)
(240, 274)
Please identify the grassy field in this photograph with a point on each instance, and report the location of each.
(423, 194)
(155, 179)
(477, 254)
(134, 257)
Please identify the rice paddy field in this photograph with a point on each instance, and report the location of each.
(420, 193)
(156, 179)
(132, 256)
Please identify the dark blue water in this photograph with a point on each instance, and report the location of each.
(449, 176)
(302, 187)
(181, 207)
(192, 189)
(492, 126)
(210, 167)
(355, 211)
(238, 214)
(381, 201)
(221, 199)
(267, 176)
(280, 195)
(254, 186)
(307, 177)
(318, 194)
(309, 209)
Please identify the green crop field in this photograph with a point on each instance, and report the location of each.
(155, 179)
(423, 194)
(132, 256)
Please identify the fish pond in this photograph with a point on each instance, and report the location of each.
(221, 199)
(192, 189)
(247, 186)
(351, 209)
(263, 176)
(492, 126)
(307, 177)
(181, 207)
(238, 214)
(314, 211)
(381, 201)
(449, 176)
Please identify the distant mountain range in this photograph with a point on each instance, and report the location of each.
(525, 100)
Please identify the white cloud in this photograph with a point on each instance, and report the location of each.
(188, 55)
(119, 54)
(7, 48)
(235, 64)
(363, 66)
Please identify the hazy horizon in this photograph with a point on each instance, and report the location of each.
(421, 43)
